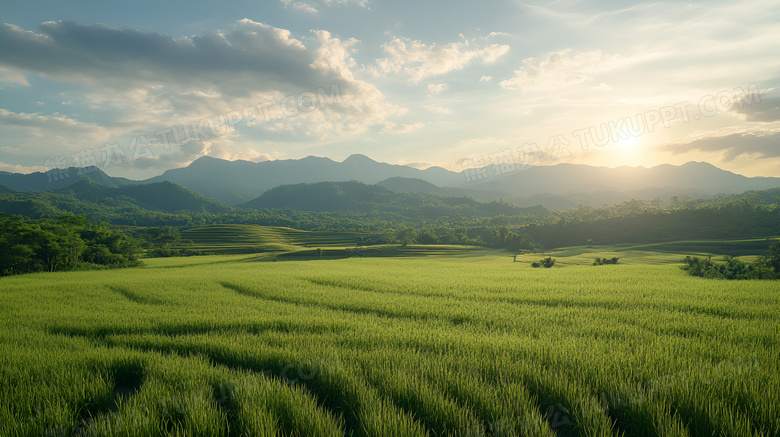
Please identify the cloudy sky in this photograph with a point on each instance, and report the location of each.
(141, 87)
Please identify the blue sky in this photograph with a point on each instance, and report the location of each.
(138, 88)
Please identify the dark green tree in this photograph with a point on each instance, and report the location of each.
(406, 236)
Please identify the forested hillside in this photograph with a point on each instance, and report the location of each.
(68, 243)
(429, 218)
(748, 215)
(355, 196)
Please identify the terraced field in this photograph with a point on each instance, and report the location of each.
(222, 239)
(460, 342)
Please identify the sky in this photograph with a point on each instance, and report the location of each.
(137, 88)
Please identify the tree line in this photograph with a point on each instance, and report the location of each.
(765, 267)
(638, 222)
(67, 243)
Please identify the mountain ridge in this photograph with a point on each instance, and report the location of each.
(354, 196)
(560, 186)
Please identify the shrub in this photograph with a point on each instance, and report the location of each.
(546, 263)
(605, 261)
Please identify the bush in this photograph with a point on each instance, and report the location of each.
(605, 261)
(546, 263)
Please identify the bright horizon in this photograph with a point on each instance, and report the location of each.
(143, 88)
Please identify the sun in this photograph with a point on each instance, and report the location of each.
(629, 143)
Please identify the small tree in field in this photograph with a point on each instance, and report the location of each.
(546, 263)
(605, 261)
(773, 256)
(406, 236)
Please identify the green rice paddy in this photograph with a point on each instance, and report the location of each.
(427, 342)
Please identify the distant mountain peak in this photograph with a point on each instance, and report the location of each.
(205, 159)
(400, 181)
(309, 159)
(698, 164)
(357, 158)
(85, 183)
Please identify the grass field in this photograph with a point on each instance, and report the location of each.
(445, 341)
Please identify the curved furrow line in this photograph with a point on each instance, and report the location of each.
(335, 387)
(346, 307)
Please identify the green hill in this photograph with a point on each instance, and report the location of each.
(160, 196)
(33, 205)
(411, 185)
(121, 205)
(362, 198)
(40, 181)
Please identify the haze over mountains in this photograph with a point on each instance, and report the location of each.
(558, 187)
(355, 196)
(235, 182)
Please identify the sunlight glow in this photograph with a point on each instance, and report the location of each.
(631, 142)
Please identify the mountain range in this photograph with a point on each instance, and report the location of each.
(560, 186)
(358, 197)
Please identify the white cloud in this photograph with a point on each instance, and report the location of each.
(760, 144)
(12, 76)
(417, 60)
(486, 79)
(603, 86)
(401, 128)
(436, 88)
(560, 69)
(193, 76)
(301, 6)
(310, 8)
(57, 133)
(361, 3)
(305, 7)
(143, 82)
(438, 109)
(768, 110)
(13, 168)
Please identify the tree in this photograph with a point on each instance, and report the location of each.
(14, 259)
(763, 269)
(406, 236)
(773, 256)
